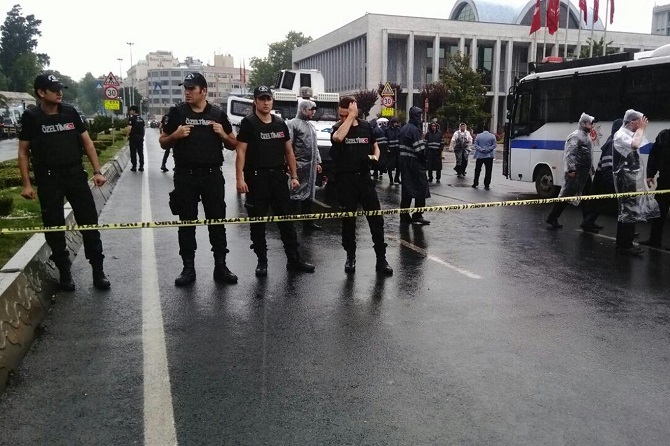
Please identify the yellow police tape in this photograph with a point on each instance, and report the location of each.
(320, 216)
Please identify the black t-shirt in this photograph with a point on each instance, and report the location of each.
(352, 155)
(266, 142)
(203, 147)
(136, 126)
(55, 140)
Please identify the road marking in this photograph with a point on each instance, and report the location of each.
(443, 262)
(159, 426)
(321, 203)
(664, 251)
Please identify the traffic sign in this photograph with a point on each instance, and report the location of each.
(111, 92)
(98, 85)
(387, 112)
(112, 104)
(388, 101)
(111, 80)
(387, 90)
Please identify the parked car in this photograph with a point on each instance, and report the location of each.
(154, 124)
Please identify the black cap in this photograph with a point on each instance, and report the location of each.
(194, 80)
(262, 90)
(47, 82)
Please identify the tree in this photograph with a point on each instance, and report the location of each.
(264, 71)
(436, 93)
(467, 94)
(366, 99)
(18, 40)
(89, 95)
(597, 48)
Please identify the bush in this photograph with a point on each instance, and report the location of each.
(101, 124)
(101, 145)
(6, 205)
(10, 177)
(94, 136)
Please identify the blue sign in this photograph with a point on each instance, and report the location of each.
(98, 86)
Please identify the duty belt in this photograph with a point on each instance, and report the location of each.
(272, 170)
(197, 171)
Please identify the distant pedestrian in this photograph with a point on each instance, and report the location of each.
(413, 166)
(434, 147)
(135, 136)
(461, 141)
(659, 162)
(577, 165)
(54, 137)
(263, 152)
(629, 177)
(166, 153)
(379, 168)
(393, 157)
(485, 145)
(353, 146)
(307, 158)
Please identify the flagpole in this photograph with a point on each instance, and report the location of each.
(567, 27)
(591, 43)
(607, 16)
(579, 35)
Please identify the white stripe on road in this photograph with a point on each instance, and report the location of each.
(665, 251)
(159, 426)
(443, 262)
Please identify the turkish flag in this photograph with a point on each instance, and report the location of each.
(582, 6)
(535, 24)
(595, 10)
(553, 15)
(611, 11)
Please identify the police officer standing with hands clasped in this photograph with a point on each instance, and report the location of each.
(263, 150)
(53, 136)
(135, 135)
(197, 131)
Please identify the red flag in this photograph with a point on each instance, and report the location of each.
(535, 24)
(611, 11)
(595, 10)
(582, 6)
(553, 15)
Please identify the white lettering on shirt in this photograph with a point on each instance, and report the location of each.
(199, 121)
(272, 135)
(55, 128)
(357, 140)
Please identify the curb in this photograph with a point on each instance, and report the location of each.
(29, 280)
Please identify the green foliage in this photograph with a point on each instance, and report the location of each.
(264, 71)
(101, 145)
(597, 48)
(366, 99)
(100, 124)
(10, 175)
(18, 40)
(89, 96)
(6, 204)
(437, 94)
(466, 93)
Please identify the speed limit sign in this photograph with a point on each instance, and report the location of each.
(388, 101)
(111, 92)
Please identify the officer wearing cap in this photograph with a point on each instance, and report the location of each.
(54, 137)
(197, 131)
(263, 150)
(353, 146)
(135, 135)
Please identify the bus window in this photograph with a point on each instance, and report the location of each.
(326, 111)
(554, 99)
(647, 90)
(598, 95)
(239, 108)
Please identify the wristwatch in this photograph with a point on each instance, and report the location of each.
(294, 178)
(97, 172)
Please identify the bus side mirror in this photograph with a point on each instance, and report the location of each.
(510, 102)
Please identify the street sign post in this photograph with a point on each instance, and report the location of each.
(112, 104)
(111, 92)
(388, 101)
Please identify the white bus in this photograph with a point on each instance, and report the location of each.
(544, 107)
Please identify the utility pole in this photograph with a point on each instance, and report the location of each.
(124, 97)
(132, 77)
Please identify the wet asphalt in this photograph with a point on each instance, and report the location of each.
(493, 330)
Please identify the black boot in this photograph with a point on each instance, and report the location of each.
(296, 263)
(64, 268)
(309, 225)
(163, 168)
(100, 280)
(262, 267)
(350, 264)
(221, 272)
(187, 275)
(382, 266)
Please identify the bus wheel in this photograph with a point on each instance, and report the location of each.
(544, 183)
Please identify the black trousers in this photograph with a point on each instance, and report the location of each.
(589, 207)
(136, 150)
(189, 190)
(657, 224)
(53, 186)
(166, 155)
(625, 234)
(353, 190)
(488, 166)
(269, 189)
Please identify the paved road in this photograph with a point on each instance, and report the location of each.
(493, 330)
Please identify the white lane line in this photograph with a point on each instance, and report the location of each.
(664, 251)
(159, 428)
(321, 203)
(443, 262)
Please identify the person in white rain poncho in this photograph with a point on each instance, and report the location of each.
(577, 160)
(307, 158)
(629, 176)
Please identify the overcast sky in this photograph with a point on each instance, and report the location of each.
(89, 35)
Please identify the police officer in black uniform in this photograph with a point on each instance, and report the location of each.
(135, 135)
(197, 131)
(54, 137)
(353, 143)
(263, 150)
(166, 155)
(413, 165)
(393, 159)
(659, 162)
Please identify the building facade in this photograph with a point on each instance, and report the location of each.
(660, 20)
(411, 51)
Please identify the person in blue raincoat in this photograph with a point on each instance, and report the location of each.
(307, 158)
(413, 167)
(629, 176)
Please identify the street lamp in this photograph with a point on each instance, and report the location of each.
(121, 81)
(132, 77)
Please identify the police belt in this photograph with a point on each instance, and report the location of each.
(197, 171)
(69, 169)
(266, 171)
